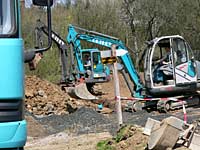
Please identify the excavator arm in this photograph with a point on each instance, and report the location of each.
(61, 44)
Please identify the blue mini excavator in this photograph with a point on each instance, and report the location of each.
(81, 68)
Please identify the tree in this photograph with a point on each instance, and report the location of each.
(149, 19)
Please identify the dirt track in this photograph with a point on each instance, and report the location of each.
(63, 141)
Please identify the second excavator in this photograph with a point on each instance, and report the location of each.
(81, 68)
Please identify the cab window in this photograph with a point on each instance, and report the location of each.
(7, 17)
(96, 58)
(157, 53)
(190, 53)
(181, 51)
(86, 58)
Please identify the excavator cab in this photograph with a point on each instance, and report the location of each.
(170, 68)
(96, 72)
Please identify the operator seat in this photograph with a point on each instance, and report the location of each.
(167, 70)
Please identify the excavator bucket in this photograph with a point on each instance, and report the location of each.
(80, 91)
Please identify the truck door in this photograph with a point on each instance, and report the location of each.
(185, 69)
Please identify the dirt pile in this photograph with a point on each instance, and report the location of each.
(131, 138)
(128, 137)
(45, 98)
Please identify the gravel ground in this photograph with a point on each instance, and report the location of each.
(141, 117)
(87, 120)
(83, 121)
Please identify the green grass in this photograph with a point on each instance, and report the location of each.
(109, 144)
(123, 133)
(105, 145)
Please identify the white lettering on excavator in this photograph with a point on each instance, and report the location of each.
(57, 39)
(104, 43)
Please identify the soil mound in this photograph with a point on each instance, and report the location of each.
(43, 98)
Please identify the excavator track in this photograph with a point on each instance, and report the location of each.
(162, 104)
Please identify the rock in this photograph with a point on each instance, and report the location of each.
(29, 94)
(41, 93)
(34, 110)
(28, 106)
(70, 108)
(50, 106)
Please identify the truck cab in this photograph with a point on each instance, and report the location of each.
(12, 123)
(13, 127)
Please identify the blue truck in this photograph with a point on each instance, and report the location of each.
(13, 127)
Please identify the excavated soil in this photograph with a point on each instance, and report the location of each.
(43, 98)
(50, 110)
